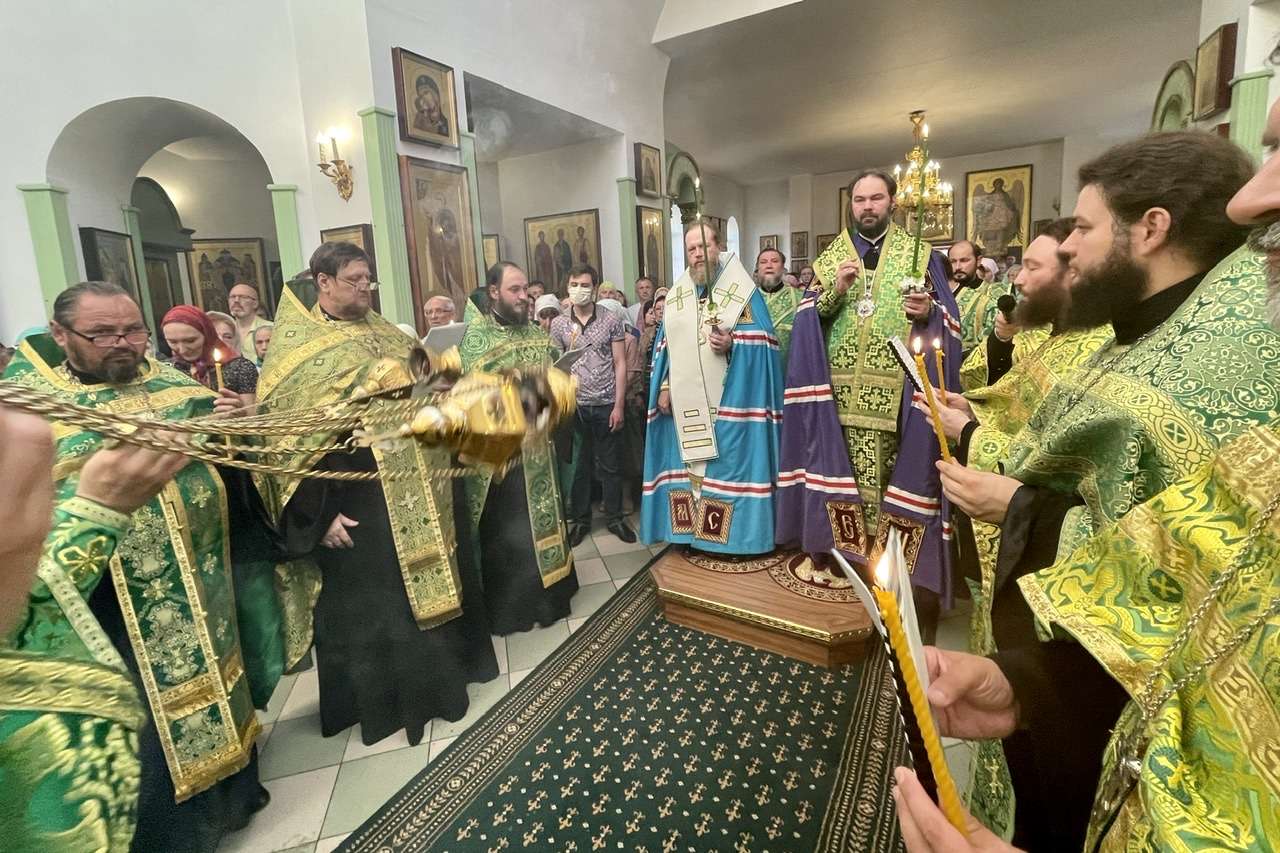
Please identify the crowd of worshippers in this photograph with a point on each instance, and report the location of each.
(1092, 462)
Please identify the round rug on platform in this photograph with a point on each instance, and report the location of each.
(801, 575)
(735, 565)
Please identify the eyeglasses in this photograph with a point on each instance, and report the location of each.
(364, 284)
(107, 341)
(242, 298)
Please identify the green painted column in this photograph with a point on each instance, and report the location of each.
(284, 204)
(390, 246)
(467, 146)
(1248, 114)
(133, 228)
(630, 240)
(51, 237)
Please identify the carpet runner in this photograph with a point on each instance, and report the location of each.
(640, 735)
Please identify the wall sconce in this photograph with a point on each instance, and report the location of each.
(337, 169)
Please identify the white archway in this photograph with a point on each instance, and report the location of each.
(731, 239)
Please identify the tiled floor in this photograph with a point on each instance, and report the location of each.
(324, 788)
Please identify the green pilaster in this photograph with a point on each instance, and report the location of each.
(133, 228)
(284, 204)
(630, 240)
(389, 244)
(1248, 114)
(467, 147)
(51, 238)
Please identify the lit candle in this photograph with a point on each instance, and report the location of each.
(948, 798)
(217, 368)
(320, 144)
(333, 143)
(942, 377)
(933, 406)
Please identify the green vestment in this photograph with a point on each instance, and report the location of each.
(489, 347)
(783, 303)
(172, 575)
(978, 312)
(1210, 778)
(69, 712)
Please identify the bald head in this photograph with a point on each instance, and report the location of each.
(242, 301)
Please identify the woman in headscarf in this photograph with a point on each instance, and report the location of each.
(193, 339)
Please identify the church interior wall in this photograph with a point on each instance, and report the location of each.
(1046, 178)
(767, 212)
(99, 61)
(575, 177)
(490, 183)
(217, 197)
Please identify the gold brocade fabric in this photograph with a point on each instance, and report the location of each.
(171, 572)
(1210, 777)
(316, 361)
(973, 373)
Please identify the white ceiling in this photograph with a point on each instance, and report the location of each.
(826, 85)
(508, 124)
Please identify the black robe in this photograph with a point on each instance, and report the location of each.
(376, 666)
(513, 592)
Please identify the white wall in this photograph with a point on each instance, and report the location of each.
(491, 210)
(768, 211)
(576, 177)
(217, 198)
(1046, 180)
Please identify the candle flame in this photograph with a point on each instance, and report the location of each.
(937, 343)
(217, 355)
(697, 183)
(915, 344)
(924, 131)
(882, 572)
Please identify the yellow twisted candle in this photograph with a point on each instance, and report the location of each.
(942, 377)
(948, 797)
(933, 406)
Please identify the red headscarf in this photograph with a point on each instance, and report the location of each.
(192, 316)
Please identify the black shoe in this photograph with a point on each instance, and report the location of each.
(623, 531)
(577, 532)
(261, 801)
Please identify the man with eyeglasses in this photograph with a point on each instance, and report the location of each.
(242, 304)
(391, 557)
(199, 772)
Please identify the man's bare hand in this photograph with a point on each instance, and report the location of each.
(953, 400)
(1005, 329)
(26, 493)
(980, 495)
(664, 401)
(970, 695)
(846, 273)
(337, 536)
(720, 340)
(126, 477)
(925, 828)
(917, 306)
(953, 421)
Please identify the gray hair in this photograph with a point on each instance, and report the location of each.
(448, 300)
(64, 306)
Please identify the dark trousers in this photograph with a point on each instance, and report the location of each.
(599, 451)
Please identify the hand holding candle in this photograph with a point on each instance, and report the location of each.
(933, 406)
(948, 797)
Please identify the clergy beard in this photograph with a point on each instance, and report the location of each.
(699, 272)
(964, 279)
(1100, 295)
(769, 283)
(1046, 306)
(517, 315)
(118, 367)
(1266, 239)
(872, 230)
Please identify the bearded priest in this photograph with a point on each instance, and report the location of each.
(715, 405)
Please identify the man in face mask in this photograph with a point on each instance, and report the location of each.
(602, 379)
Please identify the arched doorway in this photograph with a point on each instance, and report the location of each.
(212, 179)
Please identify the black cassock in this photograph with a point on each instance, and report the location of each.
(376, 666)
(514, 595)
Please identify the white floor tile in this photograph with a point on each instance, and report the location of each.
(575, 624)
(304, 699)
(483, 697)
(294, 816)
(500, 649)
(356, 748)
(607, 543)
(439, 746)
(328, 845)
(518, 676)
(264, 736)
(281, 695)
(590, 571)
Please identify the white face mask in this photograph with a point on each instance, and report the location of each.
(580, 295)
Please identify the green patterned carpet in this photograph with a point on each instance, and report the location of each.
(643, 736)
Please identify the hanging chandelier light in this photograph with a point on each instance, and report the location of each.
(920, 187)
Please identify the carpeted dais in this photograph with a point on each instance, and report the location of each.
(640, 735)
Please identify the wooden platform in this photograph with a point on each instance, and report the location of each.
(753, 608)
